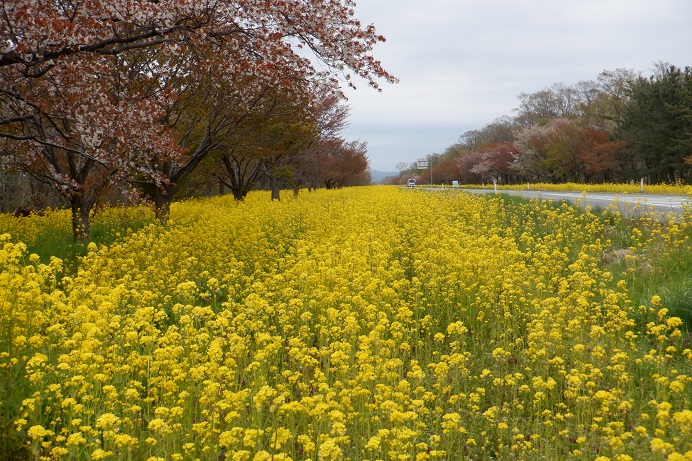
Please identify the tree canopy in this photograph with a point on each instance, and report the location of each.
(141, 91)
(621, 126)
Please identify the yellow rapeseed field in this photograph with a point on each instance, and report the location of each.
(371, 323)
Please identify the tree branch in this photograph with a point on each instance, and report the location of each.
(21, 118)
(17, 137)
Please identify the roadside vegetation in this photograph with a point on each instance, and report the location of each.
(672, 189)
(370, 323)
(621, 127)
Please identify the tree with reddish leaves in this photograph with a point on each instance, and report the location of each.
(310, 165)
(345, 165)
(583, 154)
(602, 157)
(465, 164)
(77, 115)
(563, 156)
(495, 163)
(445, 170)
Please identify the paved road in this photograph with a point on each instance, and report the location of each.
(629, 204)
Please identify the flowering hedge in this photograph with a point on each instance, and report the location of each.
(360, 324)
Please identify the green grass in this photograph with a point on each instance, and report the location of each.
(669, 277)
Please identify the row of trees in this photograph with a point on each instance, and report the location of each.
(157, 98)
(620, 127)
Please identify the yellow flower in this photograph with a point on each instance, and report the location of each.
(262, 456)
(100, 454)
(329, 451)
(125, 440)
(684, 418)
(660, 446)
(59, 452)
(330, 313)
(373, 443)
(107, 421)
(76, 439)
(158, 425)
(279, 437)
(37, 432)
(250, 437)
(676, 457)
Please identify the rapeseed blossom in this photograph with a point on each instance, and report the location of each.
(369, 324)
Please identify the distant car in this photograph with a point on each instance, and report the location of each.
(411, 183)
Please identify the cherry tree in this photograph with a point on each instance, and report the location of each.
(210, 114)
(277, 130)
(37, 35)
(330, 114)
(277, 139)
(347, 165)
(534, 143)
(332, 162)
(80, 127)
(79, 111)
(496, 162)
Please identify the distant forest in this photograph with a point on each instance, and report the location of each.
(620, 127)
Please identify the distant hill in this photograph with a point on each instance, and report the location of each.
(378, 176)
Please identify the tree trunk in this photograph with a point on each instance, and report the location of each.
(162, 203)
(80, 219)
(274, 184)
(239, 193)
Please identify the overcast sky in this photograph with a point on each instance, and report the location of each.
(462, 63)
